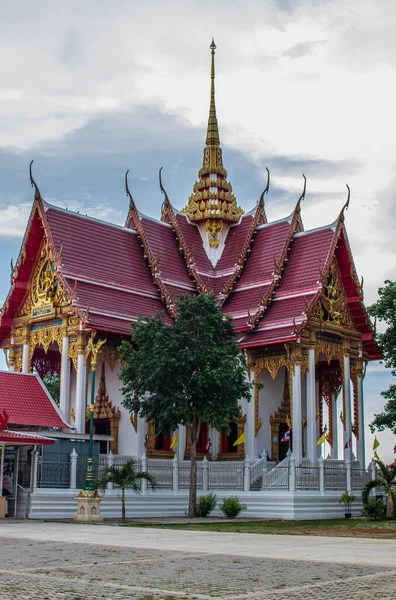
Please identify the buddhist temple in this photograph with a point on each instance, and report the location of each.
(294, 297)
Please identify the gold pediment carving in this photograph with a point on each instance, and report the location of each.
(332, 307)
(46, 294)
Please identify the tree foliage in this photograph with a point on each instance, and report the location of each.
(52, 383)
(188, 373)
(385, 310)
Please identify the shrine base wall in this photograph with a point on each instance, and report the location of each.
(61, 504)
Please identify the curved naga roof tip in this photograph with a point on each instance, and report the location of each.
(302, 197)
(37, 195)
(346, 205)
(163, 191)
(261, 201)
(128, 193)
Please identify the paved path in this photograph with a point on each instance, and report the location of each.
(51, 561)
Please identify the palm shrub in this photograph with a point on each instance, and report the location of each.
(206, 504)
(347, 499)
(385, 478)
(126, 477)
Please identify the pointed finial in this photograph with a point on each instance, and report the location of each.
(37, 195)
(212, 136)
(163, 191)
(128, 193)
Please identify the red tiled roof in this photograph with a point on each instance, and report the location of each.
(234, 242)
(107, 268)
(267, 337)
(298, 287)
(18, 438)
(27, 402)
(99, 251)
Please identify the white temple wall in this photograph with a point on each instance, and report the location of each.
(270, 399)
(127, 437)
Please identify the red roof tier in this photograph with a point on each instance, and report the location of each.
(27, 402)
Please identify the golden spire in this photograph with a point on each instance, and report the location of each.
(212, 200)
(212, 136)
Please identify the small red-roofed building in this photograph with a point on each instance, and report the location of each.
(294, 297)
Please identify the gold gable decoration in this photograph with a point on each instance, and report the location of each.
(46, 293)
(332, 306)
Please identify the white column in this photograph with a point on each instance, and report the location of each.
(319, 401)
(297, 415)
(64, 396)
(181, 447)
(361, 441)
(347, 416)
(311, 451)
(334, 432)
(25, 357)
(81, 393)
(73, 469)
(110, 463)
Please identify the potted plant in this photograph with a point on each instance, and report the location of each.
(347, 499)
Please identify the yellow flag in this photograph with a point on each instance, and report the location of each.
(240, 440)
(375, 443)
(322, 439)
(175, 441)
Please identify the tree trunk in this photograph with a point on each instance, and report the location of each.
(123, 515)
(390, 508)
(194, 437)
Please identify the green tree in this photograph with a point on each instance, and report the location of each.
(385, 310)
(385, 478)
(126, 477)
(189, 373)
(52, 383)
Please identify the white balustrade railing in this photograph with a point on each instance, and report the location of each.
(226, 475)
(278, 477)
(322, 475)
(262, 465)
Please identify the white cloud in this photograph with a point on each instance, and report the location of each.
(13, 219)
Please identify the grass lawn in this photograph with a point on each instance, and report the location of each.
(331, 527)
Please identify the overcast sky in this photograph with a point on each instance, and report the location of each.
(89, 89)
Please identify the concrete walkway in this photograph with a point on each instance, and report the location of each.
(362, 551)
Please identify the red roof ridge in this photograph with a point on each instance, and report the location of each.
(133, 216)
(107, 284)
(168, 212)
(242, 255)
(47, 206)
(278, 266)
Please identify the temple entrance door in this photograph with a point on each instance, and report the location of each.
(282, 446)
(102, 427)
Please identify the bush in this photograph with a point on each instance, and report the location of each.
(231, 507)
(374, 510)
(206, 504)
